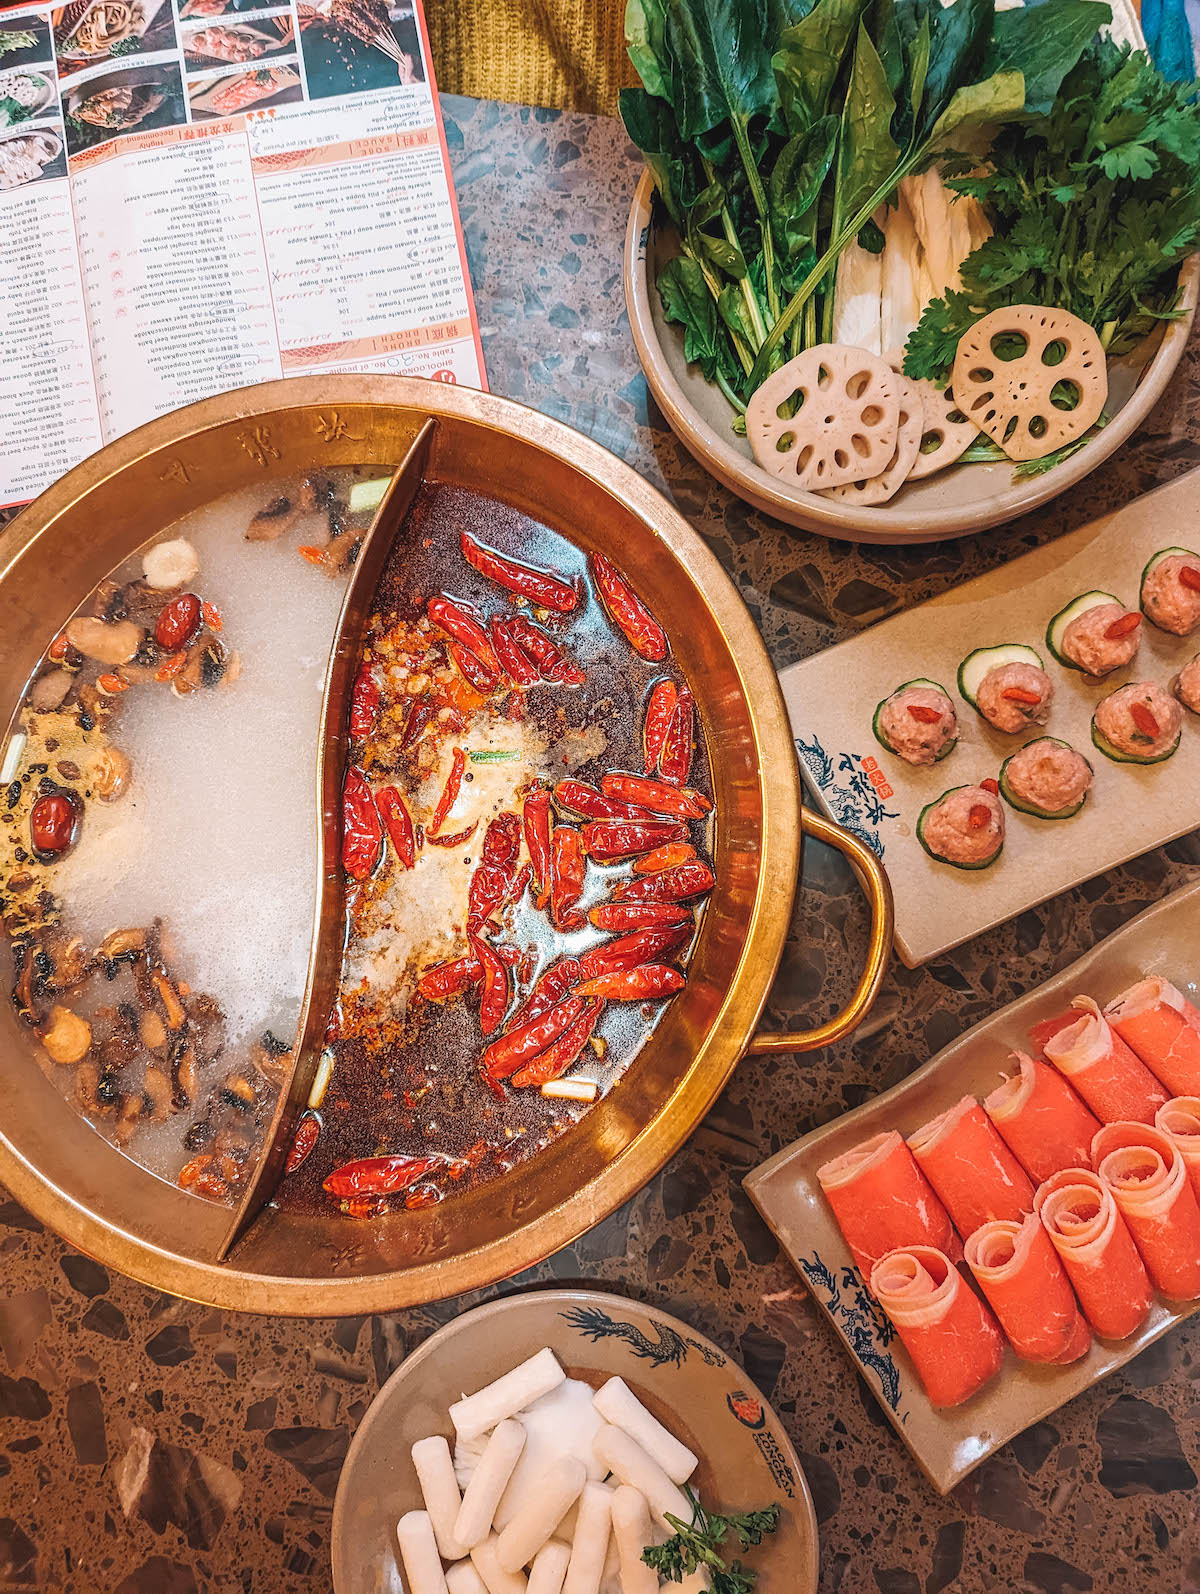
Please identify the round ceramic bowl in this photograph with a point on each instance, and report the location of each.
(746, 1458)
(953, 503)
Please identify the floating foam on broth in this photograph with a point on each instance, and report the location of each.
(217, 833)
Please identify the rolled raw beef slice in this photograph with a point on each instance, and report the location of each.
(882, 1200)
(1149, 1182)
(1100, 1066)
(1041, 1119)
(946, 1329)
(1179, 1120)
(1109, 1277)
(1026, 1286)
(973, 1171)
(1158, 1022)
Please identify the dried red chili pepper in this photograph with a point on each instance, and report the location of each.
(450, 792)
(672, 885)
(638, 915)
(321, 557)
(504, 1056)
(536, 821)
(1145, 720)
(458, 622)
(642, 984)
(178, 621)
(1122, 627)
(398, 823)
(660, 711)
(473, 670)
(923, 715)
(1018, 694)
(609, 841)
(364, 703)
(362, 831)
(539, 586)
(675, 852)
(680, 745)
(514, 661)
(450, 979)
(456, 840)
(630, 951)
(567, 869)
(1189, 576)
(991, 785)
(586, 802)
(494, 1002)
(979, 816)
(656, 795)
(642, 631)
(494, 876)
(419, 716)
(552, 662)
(553, 1063)
(307, 1136)
(53, 823)
(552, 986)
(374, 1176)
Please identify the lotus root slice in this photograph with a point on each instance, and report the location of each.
(947, 432)
(1014, 400)
(909, 431)
(828, 417)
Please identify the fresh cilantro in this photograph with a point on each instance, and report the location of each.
(1093, 205)
(698, 1544)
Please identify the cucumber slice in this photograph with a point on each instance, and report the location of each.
(1109, 751)
(1060, 622)
(983, 661)
(368, 495)
(1157, 559)
(903, 687)
(1020, 804)
(936, 856)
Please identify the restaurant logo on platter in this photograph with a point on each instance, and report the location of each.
(747, 1409)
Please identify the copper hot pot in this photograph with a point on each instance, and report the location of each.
(57, 550)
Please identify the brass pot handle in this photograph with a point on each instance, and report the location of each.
(878, 889)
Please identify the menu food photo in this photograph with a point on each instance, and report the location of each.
(601, 961)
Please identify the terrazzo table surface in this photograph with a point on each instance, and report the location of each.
(151, 1446)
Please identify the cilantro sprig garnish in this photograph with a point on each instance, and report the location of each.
(699, 1543)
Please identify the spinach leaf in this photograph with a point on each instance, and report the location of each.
(646, 39)
(651, 126)
(795, 186)
(809, 58)
(780, 14)
(687, 302)
(1043, 43)
(996, 99)
(958, 38)
(723, 69)
(867, 152)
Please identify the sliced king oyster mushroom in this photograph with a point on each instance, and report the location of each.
(1033, 378)
(845, 417)
(878, 489)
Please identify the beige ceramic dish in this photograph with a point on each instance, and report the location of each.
(746, 1462)
(948, 1444)
(953, 503)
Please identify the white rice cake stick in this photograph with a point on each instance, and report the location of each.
(590, 1547)
(618, 1405)
(495, 1579)
(631, 1534)
(549, 1568)
(476, 1413)
(435, 1474)
(419, 1553)
(626, 1458)
(547, 1502)
(462, 1578)
(474, 1520)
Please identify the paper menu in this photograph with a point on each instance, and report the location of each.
(196, 195)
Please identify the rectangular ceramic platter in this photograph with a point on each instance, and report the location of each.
(832, 697)
(948, 1444)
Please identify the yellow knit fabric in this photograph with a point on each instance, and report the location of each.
(564, 53)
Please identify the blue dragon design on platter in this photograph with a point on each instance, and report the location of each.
(859, 1320)
(670, 1349)
(853, 801)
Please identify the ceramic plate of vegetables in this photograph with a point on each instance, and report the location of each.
(905, 274)
(1022, 732)
(578, 1436)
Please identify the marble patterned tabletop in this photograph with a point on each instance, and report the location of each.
(152, 1446)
